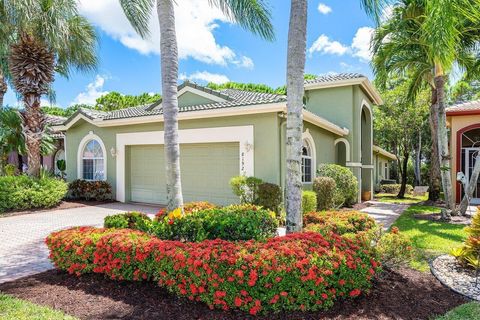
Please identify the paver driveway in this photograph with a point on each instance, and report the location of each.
(22, 248)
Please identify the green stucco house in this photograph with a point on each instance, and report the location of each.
(224, 134)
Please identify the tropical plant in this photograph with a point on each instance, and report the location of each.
(252, 15)
(50, 36)
(115, 101)
(424, 40)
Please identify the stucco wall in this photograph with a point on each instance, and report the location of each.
(190, 99)
(266, 141)
(456, 124)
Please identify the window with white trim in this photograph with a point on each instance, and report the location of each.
(93, 168)
(307, 175)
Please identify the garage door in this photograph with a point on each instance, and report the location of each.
(206, 171)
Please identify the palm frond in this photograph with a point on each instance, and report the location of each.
(138, 12)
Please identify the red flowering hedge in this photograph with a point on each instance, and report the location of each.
(303, 271)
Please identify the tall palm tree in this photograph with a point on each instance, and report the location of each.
(297, 42)
(405, 44)
(50, 36)
(252, 15)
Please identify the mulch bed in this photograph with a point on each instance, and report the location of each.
(405, 294)
(61, 206)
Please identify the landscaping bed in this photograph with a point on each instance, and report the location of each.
(405, 294)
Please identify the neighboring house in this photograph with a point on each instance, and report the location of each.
(382, 161)
(224, 134)
(463, 121)
(48, 161)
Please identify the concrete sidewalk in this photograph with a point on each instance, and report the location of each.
(385, 213)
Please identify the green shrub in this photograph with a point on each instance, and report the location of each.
(270, 197)
(340, 222)
(468, 254)
(23, 192)
(309, 201)
(10, 169)
(90, 190)
(131, 220)
(246, 188)
(236, 222)
(394, 249)
(325, 188)
(395, 188)
(347, 183)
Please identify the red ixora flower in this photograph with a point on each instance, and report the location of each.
(355, 292)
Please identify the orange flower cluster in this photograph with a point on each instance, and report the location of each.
(303, 271)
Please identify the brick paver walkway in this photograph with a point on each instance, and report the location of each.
(385, 213)
(22, 248)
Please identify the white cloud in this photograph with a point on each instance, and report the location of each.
(244, 62)
(195, 23)
(93, 91)
(324, 9)
(324, 45)
(361, 43)
(206, 77)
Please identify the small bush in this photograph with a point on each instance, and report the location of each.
(236, 222)
(395, 188)
(269, 197)
(394, 249)
(131, 220)
(10, 169)
(309, 201)
(325, 188)
(340, 222)
(347, 183)
(301, 271)
(468, 254)
(23, 192)
(90, 190)
(246, 188)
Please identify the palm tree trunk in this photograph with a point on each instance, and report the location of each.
(297, 41)
(3, 89)
(403, 184)
(472, 184)
(444, 154)
(169, 65)
(33, 122)
(435, 178)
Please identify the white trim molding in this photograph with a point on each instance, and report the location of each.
(347, 147)
(89, 137)
(244, 135)
(354, 164)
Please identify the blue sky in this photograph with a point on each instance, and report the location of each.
(211, 48)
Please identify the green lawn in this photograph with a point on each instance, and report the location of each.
(391, 198)
(468, 311)
(15, 309)
(431, 238)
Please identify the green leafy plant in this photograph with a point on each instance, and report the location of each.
(23, 192)
(10, 170)
(395, 188)
(326, 190)
(339, 222)
(62, 167)
(394, 249)
(346, 182)
(309, 201)
(132, 220)
(469, 253)
(246, 188)
(236, 222)
(90, 190)
(269, 196)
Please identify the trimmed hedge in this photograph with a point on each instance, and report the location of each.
(235, 222)
(269, 196)
(309, 201)
(130, 220)
(302, 271)
(90, 190)
(340, 222)
(24, 192)
(325, 188)
(395, 188)
(347, 183)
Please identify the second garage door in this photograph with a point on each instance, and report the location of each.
(206, 170)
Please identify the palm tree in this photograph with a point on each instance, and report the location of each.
(297, 42)
(404, 45)
(50, 36)
(252, 15)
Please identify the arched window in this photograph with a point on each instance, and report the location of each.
(93, 165)
(307, 175)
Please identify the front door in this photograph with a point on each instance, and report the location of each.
(470, 155)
